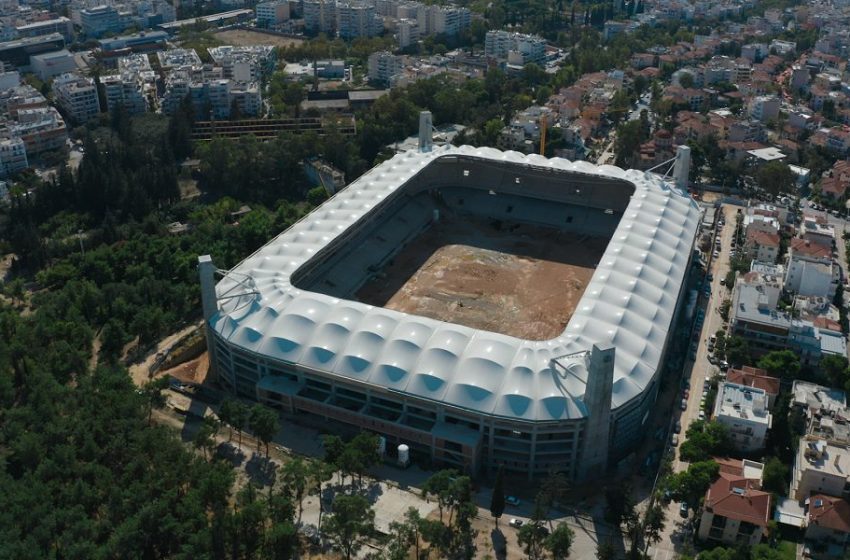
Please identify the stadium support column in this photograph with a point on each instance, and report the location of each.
(682, 167)
(597, 399)
(426, 140)
(209, 302)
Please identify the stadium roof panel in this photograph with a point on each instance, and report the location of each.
(630, 303)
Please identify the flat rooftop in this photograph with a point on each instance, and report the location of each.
(740, 401)
(824, 457)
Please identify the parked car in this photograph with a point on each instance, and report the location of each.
(515, 523)
(701, 415)
(512, 501)
(677, 427)
(674, 439)
(684, 404)
(683, 509)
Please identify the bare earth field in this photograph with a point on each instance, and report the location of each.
(247, 38)
(519, 280)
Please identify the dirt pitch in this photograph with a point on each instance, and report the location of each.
(247, 38)
(520, 280)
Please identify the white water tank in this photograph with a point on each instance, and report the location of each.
(403, 455)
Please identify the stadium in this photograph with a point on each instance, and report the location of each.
(481, 307)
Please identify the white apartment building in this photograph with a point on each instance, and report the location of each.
(250, 63)
(247, 97)
(177, 58)
(442, 20)
(817, 229)
(820, 467)
(270, 14)
(124, 90)
(13, 156)
(356, 19)
(77, 96)
(408, 32)
(764, 107)
(744, 411)
(811, 270)
(383, 66)
(40, 128)
(98, 20)
(212, 96)
(762, 246)
(515, 48)
(319, 16)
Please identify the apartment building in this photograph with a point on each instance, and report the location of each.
(442, 20)
(13, 156)
(124, 90)
(41, 129)
(178, 58)
(744, 411)
(77, 96)
(212, 96)
(515, 48)
(736, 509)
(756, 318)
(383, 65)
(319, 16)
(762, 246)
(271, 14)
(811, 270)
(408, 32)
(357, 19)
(821, 467)
(99, 20)
(763, 108)
(756, 378)
(247, 64)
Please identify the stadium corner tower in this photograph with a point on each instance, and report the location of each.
(481, 307)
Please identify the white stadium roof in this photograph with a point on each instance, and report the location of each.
(629, 303)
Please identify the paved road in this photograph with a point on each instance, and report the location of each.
(672, 537)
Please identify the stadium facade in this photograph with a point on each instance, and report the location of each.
(283, 328)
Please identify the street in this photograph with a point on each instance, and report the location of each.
(672, 538)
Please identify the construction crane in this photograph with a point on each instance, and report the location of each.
(542, 135)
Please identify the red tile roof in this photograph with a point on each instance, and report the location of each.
(834, 187)
(826, 323)
(760, 237)
(829, 512)
(735, 497)
(754, 377)
(809, 249)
